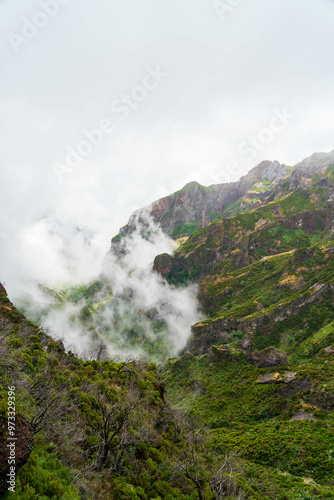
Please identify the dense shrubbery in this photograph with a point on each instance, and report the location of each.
(104, 429)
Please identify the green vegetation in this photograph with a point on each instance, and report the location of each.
(254, 421)
(182, 230)
(102, 429)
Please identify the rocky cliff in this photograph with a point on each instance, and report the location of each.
(194, 206)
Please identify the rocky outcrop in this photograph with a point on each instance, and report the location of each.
(329, 351)
(210, 332)
(24, 445)
(302, 416)
(230, 241)
(267, 358)
(321, 398)
(224, 354)
(163, 264)
(277, 378)
(194, 206)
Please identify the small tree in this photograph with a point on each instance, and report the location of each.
(110, 420)
(212, 475)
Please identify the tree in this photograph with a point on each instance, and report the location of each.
(210, 473)
(110, 419)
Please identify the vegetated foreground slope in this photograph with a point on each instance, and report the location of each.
(96, 429)
(107, 430)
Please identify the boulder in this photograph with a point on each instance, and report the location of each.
(163, 264)
(302, 415)
(329, 351)
(270, 378)
(269, 357)
(247, 343)
(277, 378)
(224, 354)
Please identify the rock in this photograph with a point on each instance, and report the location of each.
(247, 343)
(190, 206)
(202, 340)
(222, 354)
(277, 378)
(267, 358)
(23, 447)
(272, 357)
(302, 415)
(322, 399)
(296, 386)
(329, 351)
(290, 377)
(163, 264)
(270, 378)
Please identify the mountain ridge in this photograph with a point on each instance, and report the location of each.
(194, 206)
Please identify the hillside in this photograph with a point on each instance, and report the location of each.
(118, 430)
(89, 429)
(244, 411)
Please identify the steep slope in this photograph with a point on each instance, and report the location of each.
(278, 302)
(278, 419)
(299, 219)
(279, 423)
(93, 429)
(194, 206)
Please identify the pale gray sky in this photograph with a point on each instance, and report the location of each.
(227, 72)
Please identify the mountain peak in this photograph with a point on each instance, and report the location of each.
(194, 206)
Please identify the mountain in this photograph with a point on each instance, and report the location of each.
(194, 206)
(274, 247)
(245, 410)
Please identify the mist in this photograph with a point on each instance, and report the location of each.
(134, 312)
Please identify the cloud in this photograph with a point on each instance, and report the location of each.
(226, 76)
(146, 317)
(141, 294)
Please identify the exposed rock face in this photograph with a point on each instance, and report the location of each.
(302, 415)
(229, 240)
(247, 343)
(163, 264)
(329, 351)
(207, 333)
(267, 358)
(322, 399)
(277, 378)
(222, 354)
(195, 205)
(23, 447)
(270, 378)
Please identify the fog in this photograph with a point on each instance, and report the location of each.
(144, 316)
(108, 106)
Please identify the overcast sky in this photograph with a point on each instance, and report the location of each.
(181, 89)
